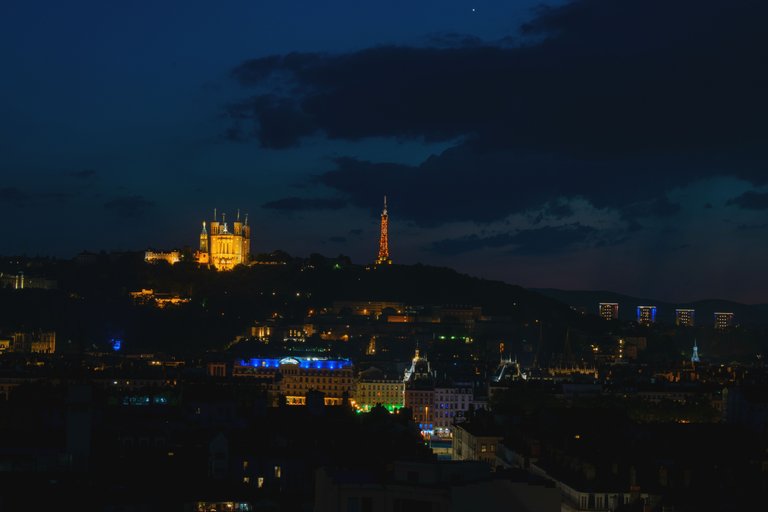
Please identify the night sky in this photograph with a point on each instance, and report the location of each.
(593, 144)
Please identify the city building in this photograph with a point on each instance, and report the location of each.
(466, 315)
(224, 249)
(171, 257)
(383, 257)
(20, 281)
(295, 377)
(685, 317)
(451, 405)
(370, 308)
(262, 331)
(458, 486)
(160, 300)
(419, 394)
(475, 441)
(723, 320)
(646, 315)
(609, 310)
(37, 342)
(374, 387)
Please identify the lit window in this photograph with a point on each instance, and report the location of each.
(260, 482)
(483, 448)
(278, 471)
(246, 479)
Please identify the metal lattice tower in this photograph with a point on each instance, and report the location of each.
(383, 258)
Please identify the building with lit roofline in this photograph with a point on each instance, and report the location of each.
(609, 310)
(170, 257)
(419, 394)
(685, 317)
(224, 249)
(724, 320)
(374, 388)
(646, 315)
(296, 376)
(37, 342)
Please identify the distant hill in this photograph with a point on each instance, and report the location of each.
(92, 304)
(588, 300)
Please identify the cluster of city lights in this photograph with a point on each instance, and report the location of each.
(303, 362)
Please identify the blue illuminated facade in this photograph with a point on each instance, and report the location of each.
(646, 314)
(307, 363)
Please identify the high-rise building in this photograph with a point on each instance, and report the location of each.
(723, 320)
(609, 310)
(222, 248)
(646, 315)
(383, 258)
(685, 317)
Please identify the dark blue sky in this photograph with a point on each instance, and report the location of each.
(590, 144)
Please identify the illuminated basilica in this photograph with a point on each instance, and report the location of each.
(222, 248)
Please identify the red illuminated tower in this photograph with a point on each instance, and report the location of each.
(383, 258)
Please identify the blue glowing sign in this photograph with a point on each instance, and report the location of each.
(116, 344)
(304, 363)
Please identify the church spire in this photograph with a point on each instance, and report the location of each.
(695, 355)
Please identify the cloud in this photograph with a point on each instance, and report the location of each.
(659, 207)
(83, 174)
(13, 195)
(277, 122)
(752, 227)
(59, 197)
(750, 201)
(617, 103)
(453, 40)
(129, 206)
(303, 204)
(541, 241)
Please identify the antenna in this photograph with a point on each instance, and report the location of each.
(214, 215)
(246, 219)
(238, 215)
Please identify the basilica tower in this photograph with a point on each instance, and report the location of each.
(224, 248)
